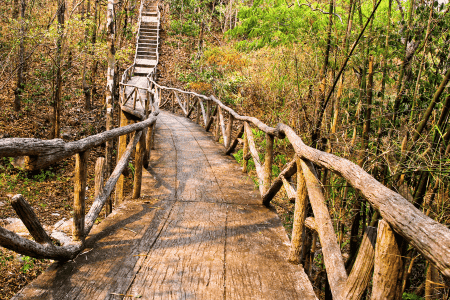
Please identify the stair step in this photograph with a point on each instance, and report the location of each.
(149, 34)
(151, 30)
(146, 62)
(147, 40)
(142, 71)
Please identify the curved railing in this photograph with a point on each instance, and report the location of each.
(45, 152)
(427, 236)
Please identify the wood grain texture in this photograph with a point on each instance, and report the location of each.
(43, 153)
(277, 183)
(30, 220)
(429, 237)
(361, 273)
(337, 276)
(79, 194)
(253, 233)
(301, 201)
(387, 282)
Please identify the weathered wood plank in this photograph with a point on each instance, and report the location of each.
(256, 247)
(187, 259)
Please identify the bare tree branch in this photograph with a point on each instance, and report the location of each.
(318, 9)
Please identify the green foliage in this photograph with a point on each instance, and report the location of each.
(28, 264)
(188, 27)
(408, 296)
(273, 22)
(4, 258)
(131, 166)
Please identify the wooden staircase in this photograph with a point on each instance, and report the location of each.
(146, 57)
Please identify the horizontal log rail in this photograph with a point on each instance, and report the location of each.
(429, 237)
(52, 151)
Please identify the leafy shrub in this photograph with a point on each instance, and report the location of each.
(189, 27)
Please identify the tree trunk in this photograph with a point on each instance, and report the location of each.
(58, 61)
(20, 80)
(109, 99)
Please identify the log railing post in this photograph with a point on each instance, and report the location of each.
(217, 129)
(245, 153)
(121, 149)
(139, 158)
(361, 273)
(99, 179)
(197, 111)
(334, 263)
(135, 97)
(268, 161)
(79, 195)
(30, 220)
(208, 111)
(147, 105)
(188, 102)
(387, 281)
(173, 101)
(301, 200)
(211, 119)
(229, 131)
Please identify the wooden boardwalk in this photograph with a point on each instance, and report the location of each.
(199, 232)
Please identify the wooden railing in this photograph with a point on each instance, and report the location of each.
(56, 150)
(379, 253)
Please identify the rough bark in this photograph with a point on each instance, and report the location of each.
(43, 153)
(388, 264)
(361, 273)
(235, 141)
(30, 220)
(337, 276)
(268, 161)
(79, 187)
(428, 236)
(137, 183)
(277, 183)
(299, 218)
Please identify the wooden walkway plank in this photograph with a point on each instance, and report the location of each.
(111, 263)
(187, 260)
